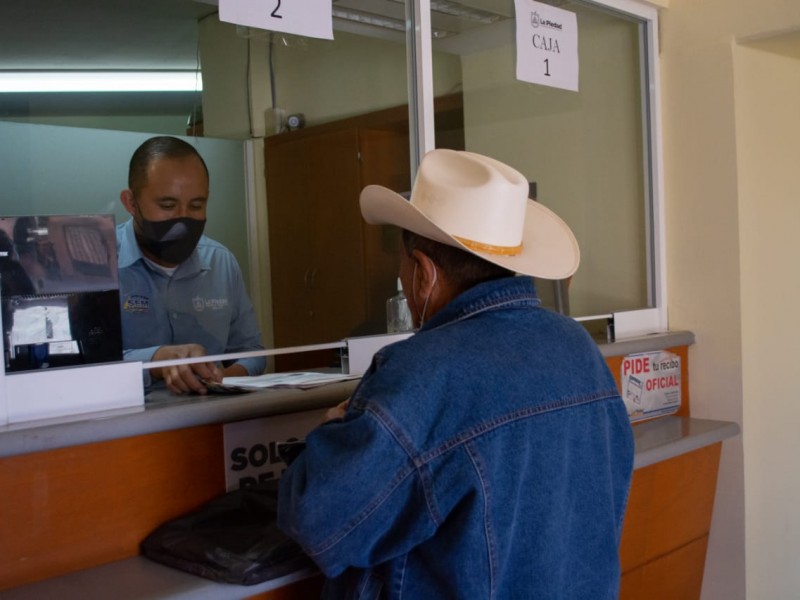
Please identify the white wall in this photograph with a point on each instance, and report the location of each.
(223, 55)
(710, 287)
(767, 91)
(325, 80)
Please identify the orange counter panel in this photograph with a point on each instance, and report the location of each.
(73, 508)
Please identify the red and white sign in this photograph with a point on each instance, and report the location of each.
(651, 384)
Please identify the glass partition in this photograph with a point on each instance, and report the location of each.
(399, 78)
(342, 107)
(54, 170)
(585, 153)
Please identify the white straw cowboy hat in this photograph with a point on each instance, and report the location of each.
(481, 205)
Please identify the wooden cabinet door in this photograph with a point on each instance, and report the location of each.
(337, 282)
(385, 160)
(287, 207)
(316, 246)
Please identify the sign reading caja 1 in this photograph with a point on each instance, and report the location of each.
(547, 45)
(251, 447)
(651, 384)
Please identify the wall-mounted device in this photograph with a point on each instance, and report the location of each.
(296, 121)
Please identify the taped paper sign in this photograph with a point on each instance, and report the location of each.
(547, 45)
(651, 384)
(311, 18)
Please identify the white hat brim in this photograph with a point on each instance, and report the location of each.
(549, 248)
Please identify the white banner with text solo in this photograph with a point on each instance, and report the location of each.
(251, 447)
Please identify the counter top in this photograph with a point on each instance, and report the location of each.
(163, 412)
(666, 437)
(138, 578)
(647, 343)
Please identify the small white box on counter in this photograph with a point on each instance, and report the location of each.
(360, 350)
(58, 392)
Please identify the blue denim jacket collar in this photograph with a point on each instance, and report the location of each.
(499, 293)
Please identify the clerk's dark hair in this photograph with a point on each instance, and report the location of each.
(462, 269)
(157, 147)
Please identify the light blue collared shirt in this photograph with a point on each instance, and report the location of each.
(204, 302)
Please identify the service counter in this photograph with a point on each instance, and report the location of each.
(80, 493)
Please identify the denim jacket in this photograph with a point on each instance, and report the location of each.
(488, 456)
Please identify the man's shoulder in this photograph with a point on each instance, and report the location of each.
(214, 255)
(121, 229)
(212, 247)
(127, 249)
(206, 241)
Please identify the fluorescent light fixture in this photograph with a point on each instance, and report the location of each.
(446, 7)
(454, 9)
(100, 81)
(366, 18)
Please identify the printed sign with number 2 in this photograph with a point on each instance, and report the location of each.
(310, 18)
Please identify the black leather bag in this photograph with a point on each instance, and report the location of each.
(233, 539)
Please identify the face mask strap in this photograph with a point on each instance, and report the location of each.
(428, 297)
(138, 210)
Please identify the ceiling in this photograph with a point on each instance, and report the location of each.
(140, 34)
(124, 34)
(99, 34)
(786, 44)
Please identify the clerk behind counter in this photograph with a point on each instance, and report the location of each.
(181, 293)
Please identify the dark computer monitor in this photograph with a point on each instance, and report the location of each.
(59, 291)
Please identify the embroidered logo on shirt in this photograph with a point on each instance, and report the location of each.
(200, 304)
(136, 304)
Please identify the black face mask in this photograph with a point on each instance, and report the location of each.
(172, 240)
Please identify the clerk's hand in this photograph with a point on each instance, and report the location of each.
(185, 379)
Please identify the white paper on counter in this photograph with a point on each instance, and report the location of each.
(300, 380)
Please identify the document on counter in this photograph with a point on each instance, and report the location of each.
(300, 380)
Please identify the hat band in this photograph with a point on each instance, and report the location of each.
(490, 248)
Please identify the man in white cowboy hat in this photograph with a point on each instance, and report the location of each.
(489, 455)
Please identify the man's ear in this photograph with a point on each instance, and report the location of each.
(426, 275)
(126, 197)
